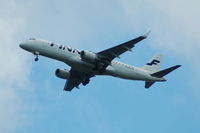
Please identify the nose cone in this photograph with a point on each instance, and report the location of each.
(25, 45)
(22, 45)
(30, 45)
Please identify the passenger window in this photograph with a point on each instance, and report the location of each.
(63, 48)
(51, 44)
(69, 49)
(60, 47)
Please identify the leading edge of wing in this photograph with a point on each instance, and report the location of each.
(116, 51)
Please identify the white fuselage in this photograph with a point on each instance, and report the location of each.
(72, 58)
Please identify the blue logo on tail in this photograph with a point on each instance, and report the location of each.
(153, 62)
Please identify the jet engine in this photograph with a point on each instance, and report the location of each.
(62, 73)
(88, 56)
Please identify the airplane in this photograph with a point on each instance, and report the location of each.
(86, 64)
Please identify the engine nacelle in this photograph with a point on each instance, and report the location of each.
(62, 73)
(88, 56)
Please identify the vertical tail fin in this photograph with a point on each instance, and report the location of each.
(154, 64)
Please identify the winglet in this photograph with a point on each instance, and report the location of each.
(147, 34)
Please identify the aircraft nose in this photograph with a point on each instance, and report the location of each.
(21, 45)
(24, 45)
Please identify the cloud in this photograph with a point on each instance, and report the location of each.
(175, 26)
(170, 20)
(15, 69)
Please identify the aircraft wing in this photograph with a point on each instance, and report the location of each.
(71, 83)
(75, 79)
(116, 51)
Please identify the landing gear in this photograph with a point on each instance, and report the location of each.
(37, 55)
(36, 59)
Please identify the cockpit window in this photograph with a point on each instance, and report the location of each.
(32, 39)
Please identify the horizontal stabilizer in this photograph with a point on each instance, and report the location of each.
(148, 84)
(162, 73)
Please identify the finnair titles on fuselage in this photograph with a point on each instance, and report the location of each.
(86, 64)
